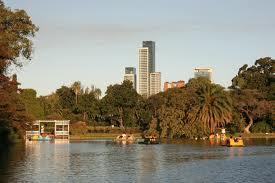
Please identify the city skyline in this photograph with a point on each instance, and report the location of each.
(74, 38)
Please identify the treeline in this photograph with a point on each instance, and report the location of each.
(197, 109)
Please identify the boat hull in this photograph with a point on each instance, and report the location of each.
(125, 138)
(150, 141)
(235, 143)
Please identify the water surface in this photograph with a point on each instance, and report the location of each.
(105, 161)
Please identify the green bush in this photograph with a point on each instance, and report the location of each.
(261, 127)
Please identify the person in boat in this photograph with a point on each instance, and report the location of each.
(223, 137)
(212, 136)
(218, 136)
(238, 138)
(228, 140)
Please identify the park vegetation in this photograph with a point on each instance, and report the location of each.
(195, 110)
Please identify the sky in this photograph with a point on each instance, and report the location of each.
(92, 41)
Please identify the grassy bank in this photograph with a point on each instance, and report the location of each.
(258, 135)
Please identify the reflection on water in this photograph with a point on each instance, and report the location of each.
(236, 152)
(106, 161)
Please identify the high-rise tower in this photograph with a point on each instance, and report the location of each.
(130, 74)
(146, 67)
(143, 72)
(151, 54)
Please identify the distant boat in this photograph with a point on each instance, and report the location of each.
(125, 137)
(40, 138)
(150, 141)
(235, 142)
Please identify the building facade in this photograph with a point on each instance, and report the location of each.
(146, 65)
(204, 72)
(151, 54)
(173, 84)
(155, 83)
(130, 74)
(143, 73)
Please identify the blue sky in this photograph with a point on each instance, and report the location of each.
(93, 40)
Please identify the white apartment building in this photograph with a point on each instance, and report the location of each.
(155, 83)
(130, 74)
(143, 72)
(132, 78)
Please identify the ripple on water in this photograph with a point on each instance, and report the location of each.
(105, 161)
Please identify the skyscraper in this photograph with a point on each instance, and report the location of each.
(204, 72)
(155, 83)
(144, 72)
(151, 54)
(146, 67)
(130, 74)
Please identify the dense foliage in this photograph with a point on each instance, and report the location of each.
(253, 92)
(196, 110)
(16, 31)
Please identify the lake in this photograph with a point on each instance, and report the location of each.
(106, 161)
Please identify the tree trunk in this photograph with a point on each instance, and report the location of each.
(246, 129)
(84, 116)
(137, 117)
(76, 99)
(120, 111)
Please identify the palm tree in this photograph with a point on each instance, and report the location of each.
(213, 108)
(76, 86)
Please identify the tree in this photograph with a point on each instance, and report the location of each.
(253, 91)
(214, 108)
(88, 105)
(142, 113)
(76, 86)
(257, 77)
(32, 104)
(66, 97)
(195, 110)
(16, 31)
(155, 102)
(118, 98)
(51, 106)
(252, 105)
(13, 116)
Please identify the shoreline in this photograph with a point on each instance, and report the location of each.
(94, 136)
(100, 136)
(258, 135)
